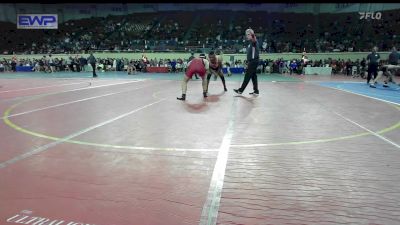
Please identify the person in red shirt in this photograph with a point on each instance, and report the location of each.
(197, 66)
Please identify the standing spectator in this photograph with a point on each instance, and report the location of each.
(77, 64)
(114, 65)
(373, 60)
(2, 67)
(285, 68)
(51, 64)
(363, 69)
(64, 66)
(92, 61)
(83, 63)
(70, 64)
(14, 65)
(394, 57)
(349, 66)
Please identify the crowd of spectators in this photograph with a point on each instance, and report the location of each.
(78, 63)
(183, 31)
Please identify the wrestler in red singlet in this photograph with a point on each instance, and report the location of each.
(197, 66)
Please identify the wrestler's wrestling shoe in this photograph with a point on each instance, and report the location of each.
(183, 98)
(205, 94)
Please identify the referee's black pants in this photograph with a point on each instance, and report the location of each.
(251, 73)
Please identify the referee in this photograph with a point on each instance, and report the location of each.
(252, 64)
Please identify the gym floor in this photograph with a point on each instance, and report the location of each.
(121, 150)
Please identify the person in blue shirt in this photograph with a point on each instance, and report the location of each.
(173, 66)
(293, 66)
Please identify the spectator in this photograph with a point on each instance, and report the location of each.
(2, 68)
(293, 67)
(92, 60)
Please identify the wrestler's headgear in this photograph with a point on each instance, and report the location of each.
(202, 55)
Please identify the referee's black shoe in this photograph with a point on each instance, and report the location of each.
(254, 93)
(237, 91)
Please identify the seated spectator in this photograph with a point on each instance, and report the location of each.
(285, 68)
(227, 65)
(293, 67)
(173, 66)
(100, 67)
(179, 66)
(131, 68)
